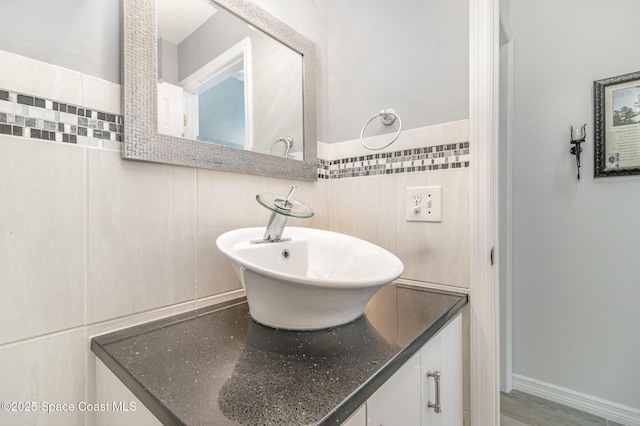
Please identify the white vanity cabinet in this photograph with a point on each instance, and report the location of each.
(359, 418)
(397, 401)
(111, 391)
(404, 398)
(443, 355)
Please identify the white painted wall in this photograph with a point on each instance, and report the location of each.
(81, 35)
(412, 56)
(576, 243)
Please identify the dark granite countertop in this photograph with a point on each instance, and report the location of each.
(215, 366)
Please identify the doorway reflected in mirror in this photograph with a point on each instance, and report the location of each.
(222, 81)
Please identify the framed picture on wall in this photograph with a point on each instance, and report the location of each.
(617, 125)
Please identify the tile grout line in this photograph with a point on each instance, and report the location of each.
(86, 278)
(195, 237)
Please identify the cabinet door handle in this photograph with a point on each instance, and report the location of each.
(436, 407)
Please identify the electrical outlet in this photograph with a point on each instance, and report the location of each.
(424, 204)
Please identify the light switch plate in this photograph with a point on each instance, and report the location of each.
(424, 204)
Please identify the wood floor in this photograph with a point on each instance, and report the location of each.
(521, 409)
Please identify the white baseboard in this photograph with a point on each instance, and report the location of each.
(599, 407)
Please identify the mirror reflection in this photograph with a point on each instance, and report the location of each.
(222, 81)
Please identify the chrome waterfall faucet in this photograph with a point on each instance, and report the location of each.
(281, 209)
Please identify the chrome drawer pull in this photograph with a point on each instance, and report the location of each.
(436, 407)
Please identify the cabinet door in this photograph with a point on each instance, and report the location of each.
(443, 354)
(397, 402)
(108, 389)
(359, 418)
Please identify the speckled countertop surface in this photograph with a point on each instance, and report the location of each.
(216, 366)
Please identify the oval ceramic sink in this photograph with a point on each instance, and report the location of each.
(318, 279)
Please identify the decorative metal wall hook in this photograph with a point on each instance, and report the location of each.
(578, 135)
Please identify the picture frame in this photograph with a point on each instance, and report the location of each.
(617, 125)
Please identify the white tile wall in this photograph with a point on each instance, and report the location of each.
(365, 207)
(141, 233)
(42, 224)
(436, 252)
(226, 201)
(372, 208)
(26, 75)
(100, 94)
(45, 370)
(49, 81)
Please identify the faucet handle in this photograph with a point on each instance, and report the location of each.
(293, 189)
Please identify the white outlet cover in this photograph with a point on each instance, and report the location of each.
(424, 204)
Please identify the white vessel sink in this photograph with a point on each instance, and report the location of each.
(318, 279)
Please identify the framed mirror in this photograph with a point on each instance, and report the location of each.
(229, 88)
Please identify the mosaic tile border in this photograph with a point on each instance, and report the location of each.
(35, 117)
(438, 157)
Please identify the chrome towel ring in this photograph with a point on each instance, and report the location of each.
(388, 117)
